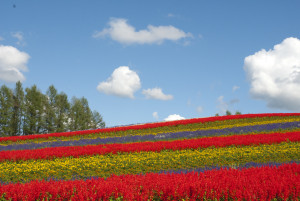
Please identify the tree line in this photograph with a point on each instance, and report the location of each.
(228, 113)
(29, 111)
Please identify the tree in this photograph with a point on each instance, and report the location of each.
(32, 112)
(228, 112)
(80, 114)
(97, 121)
(18, 109)
(62, 112)
(34, 121)
(51, 110)
(87, 115)
(75, 113)
(6, 111)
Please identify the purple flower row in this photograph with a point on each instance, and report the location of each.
(158, 137)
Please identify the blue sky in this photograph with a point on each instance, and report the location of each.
(142, 61)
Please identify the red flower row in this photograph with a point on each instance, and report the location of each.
(144, 126)
(77, 151)
(263, 183)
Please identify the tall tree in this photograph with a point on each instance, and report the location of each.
(34, 121)
(97, 121)
(87, 114)
(6, 111)
(32, 112)
(62, 112)
(81, 116)
(75, 113)
(18, 109)
(51, 110)
(228, 112)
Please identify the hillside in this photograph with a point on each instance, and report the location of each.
(236, 157)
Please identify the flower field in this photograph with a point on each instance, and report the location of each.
(236, 157)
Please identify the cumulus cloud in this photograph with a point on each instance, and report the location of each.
(155, 115)
(119, 30)
(156, 93)
(274, 75)
(174, 117)
(12, 62)
(123, 82)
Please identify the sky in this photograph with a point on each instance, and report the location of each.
(148, 61)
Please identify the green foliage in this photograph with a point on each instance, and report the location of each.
(32, 112)
(80, 114)
(6, 111)
(62, 112)
(35, 101)
(18, 109)
(97, 120)
(50, 113)
(228, 112)
(2, 198)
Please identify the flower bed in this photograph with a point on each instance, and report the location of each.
(238, 157)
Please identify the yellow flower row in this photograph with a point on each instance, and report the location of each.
(142, 162)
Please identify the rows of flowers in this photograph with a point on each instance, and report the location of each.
(143, 162)
(238, 157)
(263, 183)
(117, 131)
(236, 140)
(241, 130)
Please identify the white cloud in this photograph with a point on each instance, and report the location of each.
(221, 105)
(155, 115)
(156, 93)
(119, 30)
(123, 82)
(20, 37)
(174, 117)
(199, 109)
(274, 75)
(1, 38)
(12, 62)
(234, 88)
